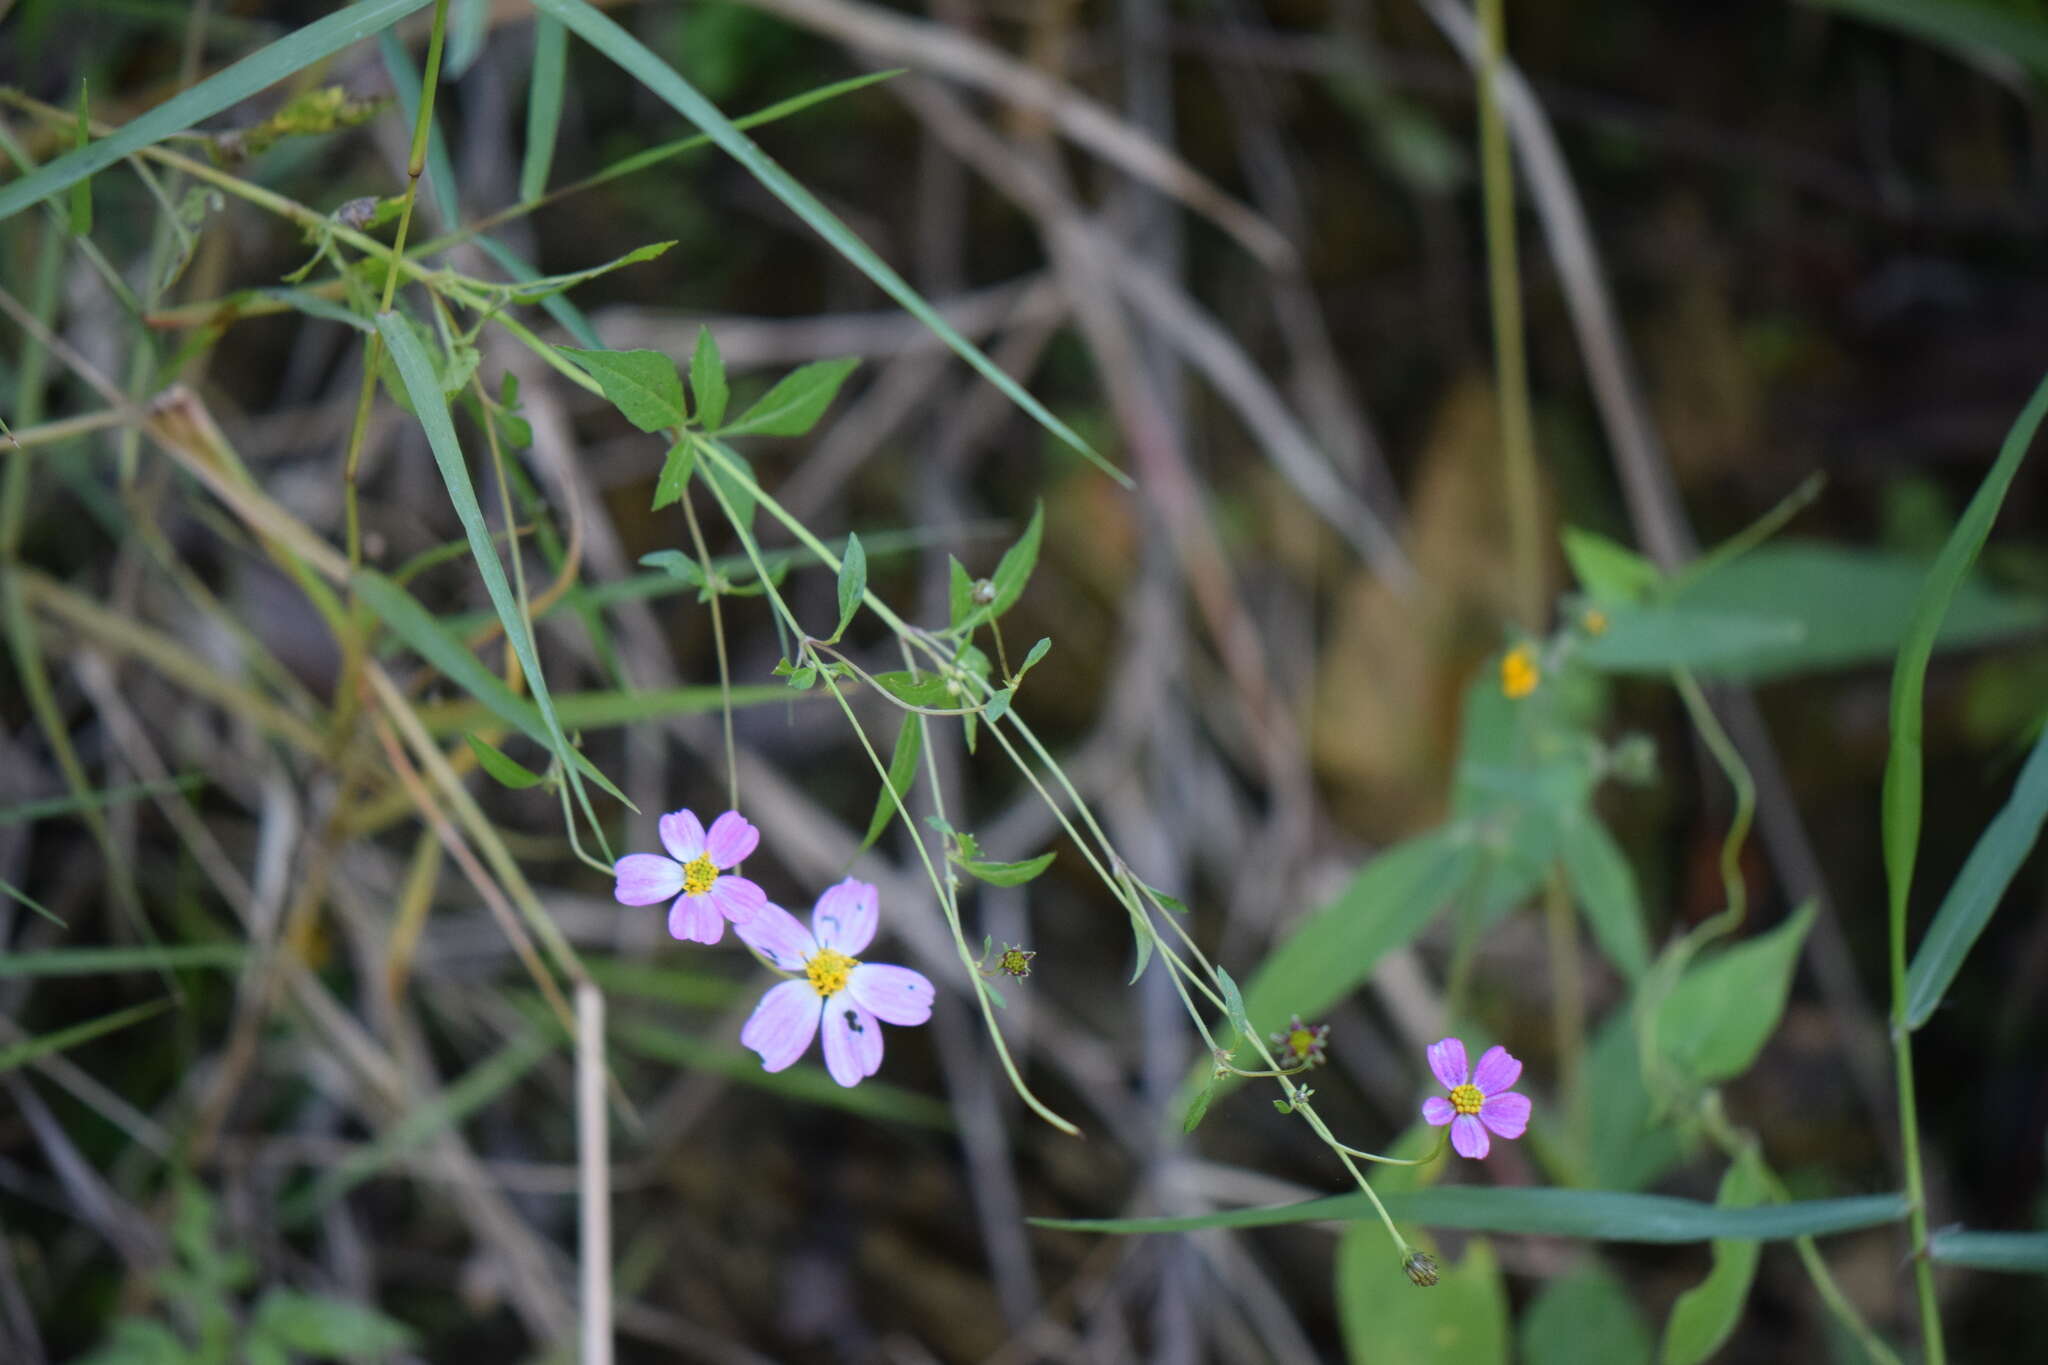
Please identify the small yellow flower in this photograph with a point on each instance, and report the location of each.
(1519, 672)
(1595, 621)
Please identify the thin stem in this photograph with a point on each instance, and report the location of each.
(732, 752)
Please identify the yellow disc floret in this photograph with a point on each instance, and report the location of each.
(698, 875)
(1519, 672)
(828, 971)
(1466, 1099)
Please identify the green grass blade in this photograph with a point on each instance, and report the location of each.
(483, 1083)
(109, 961)
(29, 1049)
(424, 388)
(663, 81)
(2022, 1253)
(412, 623)
(1598, 1215)
(603, 710)
(13, 892)
(543, 105)
(258, 71)
(1978, 889)
(1902, 769)
(29, 811)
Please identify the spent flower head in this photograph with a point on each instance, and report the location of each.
(1015, 961)
(1301, 1045)
(695, 873)
(1421, 1268)
(829, 986)
(1480, 1099)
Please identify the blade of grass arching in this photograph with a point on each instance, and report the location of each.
(1598, 1215)
(28, 1050)
(424, 388)
(806, 1084)
(543, 105)
(601, 710)
(413, 624)
(283, 58)
(67, 805)
(484, 1082)
(2020, 1253)
(664, 82)
(111, 961)
(1978, 889)
(440, 170)
(13, 892)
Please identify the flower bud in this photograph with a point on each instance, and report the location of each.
(1421, 1269)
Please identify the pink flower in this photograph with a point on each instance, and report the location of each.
(695, 867)
(852, 999)
(1479, 1099)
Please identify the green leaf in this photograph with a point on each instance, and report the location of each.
(1038, 651)
(433, 413)
(30, 1049)
(998, 705)
(80, 215)
(1198, 1109)
(643, 385)
(675, 474)
(315, 1325)
(2020, 1253)
(902, 770)
(1006, 874)
(141, 1341)
(707, 380)
(796, 402)
(1901, 821)
(1978, 888)
(926, 689)
(29, 811)
(661, 80)
(1705, 1315)
(1852, 606)
(108, 961)
(1013, 571)
(541, 287)
(1461, 1320)
(543, 105)
(1587, 1317)
(1605, 887)
(959, 593)
(1233, 1004)
(1630, 1145)
(1972, 29)
(1609, 572)
(412, 623)
(1386, 905)
(301, 49)
(1598, 1215)
(1725, 1007)
(509, 772)
(1655, 639)
(853, 582)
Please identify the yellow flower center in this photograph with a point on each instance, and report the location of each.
(698, 875)
(1519, 673)
(1300, 1041)
(1466, 1099)
(828, 971)
(1595, 621)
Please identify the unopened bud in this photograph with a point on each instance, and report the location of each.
(1421, 1269)
(983, 592)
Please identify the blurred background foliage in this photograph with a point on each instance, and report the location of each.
(1820, 224)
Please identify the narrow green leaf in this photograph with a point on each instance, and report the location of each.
(13, 892)
(1006, 874)
(112, 961)
(80, 215)
(643, 385)
(1587, 1317)
(543, 105)
(707, 380)
(541, 287)
(54, 806)
(29, 1049)
(1726, 1006)
(320, 1326)
(604, 710)
(557, 307)
(1199, 1108)
(1598, 1215)
(507, 771)
(305, 46)
(412, 623)
(1656, 639)
(1607, 571)
(1605, 887)
(1233, 1004)
(468, 26)
(853, 582)
(1013, 571)
(2021, 1253)
(1909, 679)
(959, 593)
(661, 79)
(902, 769)
(1705, 1315)
(914, 689)
(1460, 1320)
(796, 402)
(1038, 651)
(675, 480)
(1978, 888)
